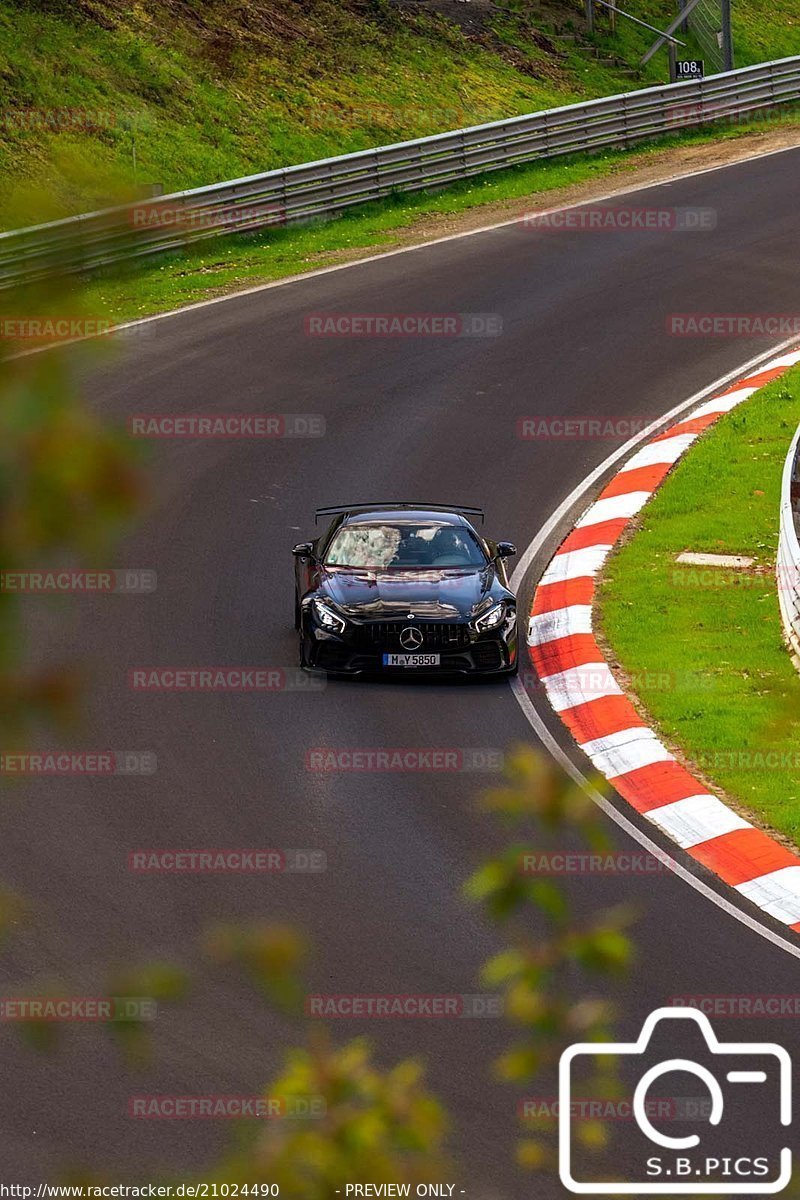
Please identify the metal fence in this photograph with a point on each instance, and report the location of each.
(788, 567)
(319, 190)
(705, 23)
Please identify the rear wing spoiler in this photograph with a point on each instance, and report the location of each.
(347, 508)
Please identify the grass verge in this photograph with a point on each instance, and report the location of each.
(702, 648)
(228, 264)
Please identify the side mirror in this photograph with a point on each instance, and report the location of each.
(506, 549)
(303, 550)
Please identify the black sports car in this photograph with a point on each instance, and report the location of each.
(397, 587)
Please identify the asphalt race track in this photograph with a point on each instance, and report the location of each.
(431, 419)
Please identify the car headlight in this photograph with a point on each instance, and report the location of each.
(327, 618)
(491, 619)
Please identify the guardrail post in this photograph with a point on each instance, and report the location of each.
(284, 193)
(771, 88)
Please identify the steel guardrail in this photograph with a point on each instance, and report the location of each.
(788, 563)
(319, 190)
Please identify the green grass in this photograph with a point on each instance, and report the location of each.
(226, 264)
(709, 642)
(234, 92)
(203, 92)
(765, 31)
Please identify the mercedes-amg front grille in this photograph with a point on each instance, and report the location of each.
(436, 635)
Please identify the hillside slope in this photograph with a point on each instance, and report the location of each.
(97, 96)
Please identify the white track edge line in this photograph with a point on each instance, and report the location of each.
(536, 721)
(448, 237)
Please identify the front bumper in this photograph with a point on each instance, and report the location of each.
(360, 649)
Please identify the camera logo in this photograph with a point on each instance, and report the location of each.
(739, 1081)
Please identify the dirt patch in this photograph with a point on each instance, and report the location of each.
(477, 22)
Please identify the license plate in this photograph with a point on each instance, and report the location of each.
(411, 660)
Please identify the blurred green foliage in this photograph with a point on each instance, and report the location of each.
(379, 1125)
(68, 485)
(556, 956)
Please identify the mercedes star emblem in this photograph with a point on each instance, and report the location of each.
(410, 638)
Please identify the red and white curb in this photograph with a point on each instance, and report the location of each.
(582, 689)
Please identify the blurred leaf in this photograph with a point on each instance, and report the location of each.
(533, 1155)
(270, 954)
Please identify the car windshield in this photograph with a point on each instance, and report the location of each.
(408, 545)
